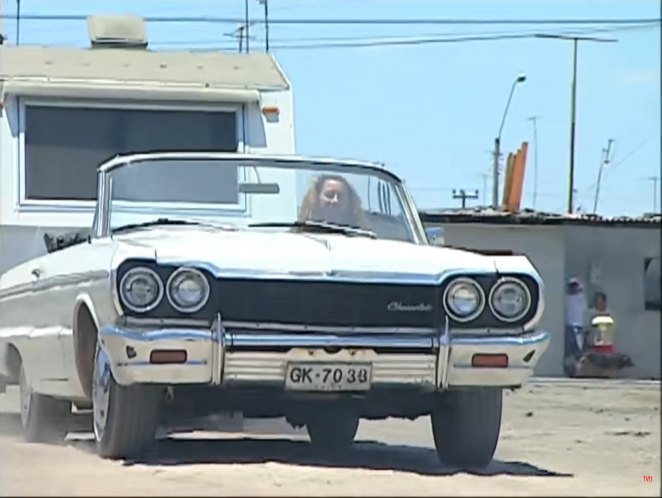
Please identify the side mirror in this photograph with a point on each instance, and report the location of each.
(435, 235)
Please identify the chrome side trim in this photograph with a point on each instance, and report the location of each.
(527, 340)
(399, 278)
(242, 339)
(458, 332)
(152, 323)
(294, 327)
(55, 281)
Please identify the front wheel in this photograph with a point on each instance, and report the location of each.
(332, 432)
(125, 418)
(466, 426)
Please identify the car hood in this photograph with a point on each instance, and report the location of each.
(285, 254)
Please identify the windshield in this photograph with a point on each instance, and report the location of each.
(244, 193)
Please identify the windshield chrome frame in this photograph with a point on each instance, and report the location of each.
(101, 226)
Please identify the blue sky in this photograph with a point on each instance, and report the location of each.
(431, 112)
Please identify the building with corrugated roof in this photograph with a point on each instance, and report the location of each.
(619, 256)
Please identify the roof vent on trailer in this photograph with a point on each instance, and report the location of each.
(117, 31)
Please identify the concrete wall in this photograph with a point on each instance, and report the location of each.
(617, 255)
(545, 248)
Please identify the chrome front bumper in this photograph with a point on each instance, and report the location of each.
(247, 358)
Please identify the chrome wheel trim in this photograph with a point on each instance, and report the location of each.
(100, 392)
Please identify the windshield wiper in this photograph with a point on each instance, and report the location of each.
(170, 221)
(318, 225)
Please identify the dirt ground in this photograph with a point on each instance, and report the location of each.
(558, 438)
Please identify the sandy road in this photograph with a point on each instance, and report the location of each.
(558, 438)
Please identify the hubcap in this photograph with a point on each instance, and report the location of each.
(100, 392)
(26, 398)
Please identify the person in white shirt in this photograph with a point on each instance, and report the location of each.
(575, 312)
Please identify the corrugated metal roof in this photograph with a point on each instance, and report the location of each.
(530, 217)
(256, 71)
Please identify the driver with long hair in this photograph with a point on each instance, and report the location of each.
(332, 199)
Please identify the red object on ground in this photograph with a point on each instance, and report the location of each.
(606, 348)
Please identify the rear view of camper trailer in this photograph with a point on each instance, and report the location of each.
(65, 110)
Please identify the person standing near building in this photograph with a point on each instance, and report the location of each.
(575, 312)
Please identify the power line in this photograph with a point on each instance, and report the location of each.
(429, 40)
(355, 22)
(389, 39)
(534, 120)
(411, 41)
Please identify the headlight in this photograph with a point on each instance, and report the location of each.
(188, 290)
(510, 300)
(464, 299)
(141, 289)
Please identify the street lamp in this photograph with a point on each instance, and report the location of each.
(521, 78)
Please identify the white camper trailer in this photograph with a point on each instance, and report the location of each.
(64, 110)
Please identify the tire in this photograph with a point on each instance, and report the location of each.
(125, 418)
(332, 432)
(466, 426)
(44, 419)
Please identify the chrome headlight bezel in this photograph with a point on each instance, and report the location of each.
(136, 272)
(464, 281)
(510, 282)
(194, 273)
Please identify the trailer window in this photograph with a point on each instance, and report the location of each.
(65, 145)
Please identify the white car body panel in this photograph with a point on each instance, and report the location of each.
(288, 254)
(37, 314)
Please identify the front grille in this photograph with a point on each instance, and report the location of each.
(327, 303)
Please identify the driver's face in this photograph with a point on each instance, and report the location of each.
(333, 194)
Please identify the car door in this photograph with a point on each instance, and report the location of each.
(17, 315)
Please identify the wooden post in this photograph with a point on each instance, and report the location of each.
(507, 181)
(517, 179)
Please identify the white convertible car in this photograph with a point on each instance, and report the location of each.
(272, 286)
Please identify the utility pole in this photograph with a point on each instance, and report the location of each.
(265, 3)
(240, 36)
(246, 25)
(497, 146)
(462, 194)
(573, 100)
(2, 33)
(18, 22)
(654, 179)
(604, 161)
(485, 177)
(534, 119)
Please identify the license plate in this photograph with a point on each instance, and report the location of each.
(328, 376)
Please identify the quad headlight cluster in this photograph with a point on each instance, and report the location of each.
(141, 290)
(509, 299)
